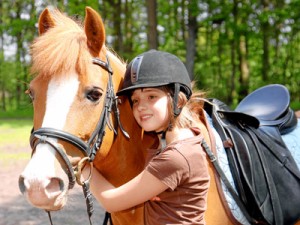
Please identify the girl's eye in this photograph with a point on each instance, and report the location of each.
(134, 101)
(29, 92)
(152, 97)
(94, 95)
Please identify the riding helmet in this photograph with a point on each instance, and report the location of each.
(156, 68)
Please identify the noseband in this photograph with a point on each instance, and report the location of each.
(89, 148)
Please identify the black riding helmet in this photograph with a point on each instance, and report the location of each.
(154, 69)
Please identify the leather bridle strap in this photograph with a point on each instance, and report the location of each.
(70, 171)
(89, 148)
(55, 133)
(111, 95)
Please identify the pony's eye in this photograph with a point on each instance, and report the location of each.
(94, 95)
(29, 92)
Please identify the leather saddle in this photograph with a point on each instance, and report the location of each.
(261, 165)
(270, 105)
(266, 107)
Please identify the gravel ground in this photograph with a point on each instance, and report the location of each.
(15, 210)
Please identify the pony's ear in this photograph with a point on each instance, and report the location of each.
(94, 30)
(45, 21)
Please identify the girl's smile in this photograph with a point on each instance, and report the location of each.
(150, 108)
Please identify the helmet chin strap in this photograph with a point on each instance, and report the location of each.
(175, 99)
(176, 112)
(162, 139)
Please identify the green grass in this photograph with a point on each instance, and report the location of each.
(14, 139)
(14, 131)
(5, 157)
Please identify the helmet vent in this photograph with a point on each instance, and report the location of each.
(135, 68)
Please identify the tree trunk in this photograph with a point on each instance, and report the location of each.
(232, 92)
(2, 79)
(152, 24)
(192, 37)
(19, 70)
(117, 26)
(244, 68)
(117, 30)
(265, 32)
(128, 44)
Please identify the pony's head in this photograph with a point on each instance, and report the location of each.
(71, 92)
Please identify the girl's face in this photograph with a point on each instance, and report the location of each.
(150, 108)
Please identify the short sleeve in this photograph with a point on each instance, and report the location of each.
(170, 166)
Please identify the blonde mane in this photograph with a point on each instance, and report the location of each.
(62, 48)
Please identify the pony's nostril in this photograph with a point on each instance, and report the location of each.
(55, 184)
(22, 184)
(51, 185)
(61, 184)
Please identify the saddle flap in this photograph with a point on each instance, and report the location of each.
(240, 118)
(262, 168)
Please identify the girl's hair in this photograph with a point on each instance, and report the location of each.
(191, 110)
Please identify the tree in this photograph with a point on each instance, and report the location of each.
(152, 33)
(21, 29)
(265, 28)
(2, 79)
(229, 47)
(192, 28)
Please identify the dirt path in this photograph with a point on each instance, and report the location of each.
(15, 210)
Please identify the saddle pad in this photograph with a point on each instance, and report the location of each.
(292, 141)
(224, 164)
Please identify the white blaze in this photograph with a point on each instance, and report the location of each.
(60, 96)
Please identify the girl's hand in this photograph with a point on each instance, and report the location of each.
(126, 196)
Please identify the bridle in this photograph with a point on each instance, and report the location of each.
(89, 148)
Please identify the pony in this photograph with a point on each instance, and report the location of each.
(78, 119)
(68, 92)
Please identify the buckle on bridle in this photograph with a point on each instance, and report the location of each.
(78, 170)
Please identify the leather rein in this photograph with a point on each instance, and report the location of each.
(90, 148)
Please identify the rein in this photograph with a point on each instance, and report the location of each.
(89, 148)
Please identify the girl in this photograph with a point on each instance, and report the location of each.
(175, 180)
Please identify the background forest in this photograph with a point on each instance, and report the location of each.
(230, 47)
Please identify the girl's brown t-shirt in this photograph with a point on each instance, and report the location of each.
(182, 166)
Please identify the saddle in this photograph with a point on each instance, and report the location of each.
(265, 174)
(270, 105)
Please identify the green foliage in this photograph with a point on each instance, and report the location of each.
(25, 113)
(271, 33)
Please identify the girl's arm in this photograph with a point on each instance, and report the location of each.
(140, 189)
